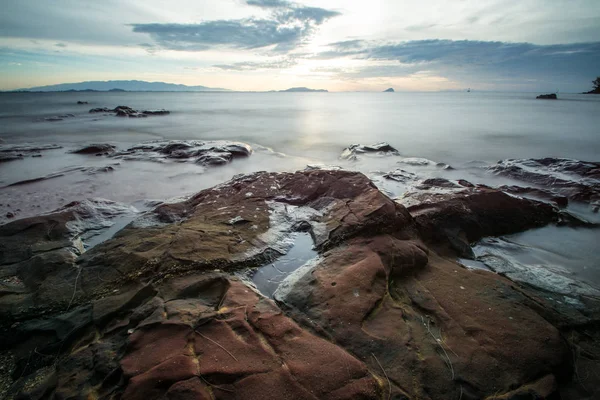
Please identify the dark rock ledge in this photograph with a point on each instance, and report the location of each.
(384, 312)
(210, 153)
(125, 111)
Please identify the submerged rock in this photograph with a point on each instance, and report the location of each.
(126, 111)
(381, 149)
(574, 179)
(156, 112)
(82, 102)
(100, 110)
(4, 157)
(551, 96)
(211, 153)
(19, 151)
(164, 309)
(103, 148)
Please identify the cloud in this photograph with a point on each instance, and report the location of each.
(250, 66)
(470, 60)
(288, 26)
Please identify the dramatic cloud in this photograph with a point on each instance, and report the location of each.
(492, 44)
(474, 59)
(288, 26)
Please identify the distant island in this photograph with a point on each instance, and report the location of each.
(121, 86)
(390, 90)
(596, 89)
(303, 89)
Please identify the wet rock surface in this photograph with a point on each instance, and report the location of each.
(166, 309)
(96, 149)
(574, 179)
(126, 111)
(354, 151)
(211, 153)
(11, 152)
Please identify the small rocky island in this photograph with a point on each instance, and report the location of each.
(596, 89)
(390, 90)
(169, 308)
(551, 96)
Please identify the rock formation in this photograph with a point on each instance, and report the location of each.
(551, 96)
(165, 308)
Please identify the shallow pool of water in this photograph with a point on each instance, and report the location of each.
(268, 277)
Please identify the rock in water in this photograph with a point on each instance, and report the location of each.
(4, 157)
(125, 111)
(156, 112)
(164, 308)
(551, 96)
(100, 110)
(103, 148)
(381, 149)
(211, 153)
(390, 90)
(577, 180)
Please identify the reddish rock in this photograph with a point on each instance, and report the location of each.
(152, 319)
(154, 383)
(478, 213)
(435, 327)
(191, 389)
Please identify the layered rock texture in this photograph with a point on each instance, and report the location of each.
(166, 310)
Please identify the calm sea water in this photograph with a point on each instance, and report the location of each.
(288, 132)
(448, 127)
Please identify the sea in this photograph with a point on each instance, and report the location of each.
(293, 131)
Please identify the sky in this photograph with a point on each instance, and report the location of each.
(338, 45)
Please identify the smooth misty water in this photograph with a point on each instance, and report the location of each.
(290, 131)
(447, 127)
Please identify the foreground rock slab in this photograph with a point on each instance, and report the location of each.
(164, 308)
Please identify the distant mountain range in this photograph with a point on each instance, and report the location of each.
(140, 86)
(303, 89)
(121, 86)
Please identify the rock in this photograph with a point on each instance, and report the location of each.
(100, 110)
(41, 251)
(28, 148)
(214, 158)
(4, 157)
(10, 215)
(165, 308)
(82, 102)
(480, 212)
(381, 149)
(389, 302)
(390, 90)
(551, 96)
(59, 117)
(437, 182)
(576, 180)
(125, 111)
(400, 175)
(203, 153)
(275, 357)
(156, 112)
(536, 193)
(103, 148)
